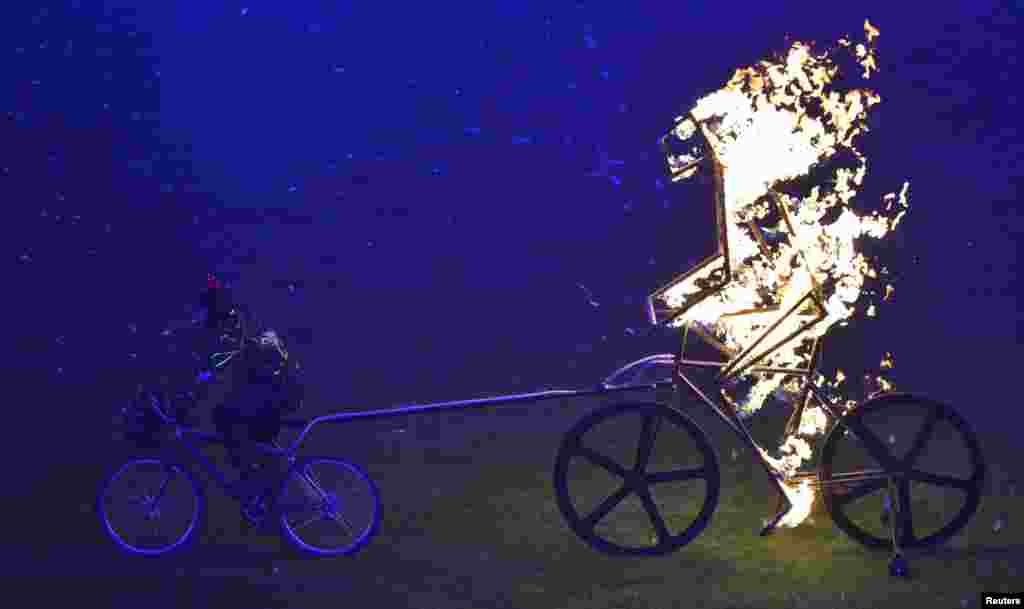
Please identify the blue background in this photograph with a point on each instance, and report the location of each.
(406, 188)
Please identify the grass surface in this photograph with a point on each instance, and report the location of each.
(470, 521)
(511, 509)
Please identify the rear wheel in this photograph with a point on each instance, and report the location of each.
(930, 452)
(328, 506)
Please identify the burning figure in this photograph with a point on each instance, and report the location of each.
(779, 143)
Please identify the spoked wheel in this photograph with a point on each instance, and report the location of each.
(932, 455)
(636, 479)
(328, 506)
(149, 506)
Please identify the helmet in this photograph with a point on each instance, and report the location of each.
(216, 303)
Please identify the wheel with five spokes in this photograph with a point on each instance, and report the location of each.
(927, 449)
(687, 463)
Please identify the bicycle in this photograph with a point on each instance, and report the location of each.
(841, 489)
(312, 490)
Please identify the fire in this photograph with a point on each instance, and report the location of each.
(789, 264)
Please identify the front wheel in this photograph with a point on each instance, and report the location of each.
(328, 506)
(149, 506)
(636, 479)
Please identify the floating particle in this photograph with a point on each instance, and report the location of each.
(59, 340)
(970, 244)
(369, 244)
(628, 207)
(24, 258)
(652, 261)
(436, 171)
(350, 156)
(604, 339)
(892, 438)
(292, 188)
(339, 69)
(60, 371)
(133, 328)
(458, 92)
(133, 355)
(471, 131)
(245, 11)
(630, 332)
(291, 288)
(1000, 522)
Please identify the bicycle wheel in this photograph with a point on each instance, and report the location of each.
(654, 507)
(930, 452)
(149, 506)
(328, 506)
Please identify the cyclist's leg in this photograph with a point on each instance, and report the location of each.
(226, 420)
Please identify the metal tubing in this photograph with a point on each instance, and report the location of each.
(342, 417)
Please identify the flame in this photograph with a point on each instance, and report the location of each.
(793, 257)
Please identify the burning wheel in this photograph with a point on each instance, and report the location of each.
(929, 451)
(673, 481)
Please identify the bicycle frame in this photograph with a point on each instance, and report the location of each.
(728, 413)
(188, 436)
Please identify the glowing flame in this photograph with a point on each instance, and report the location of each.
(795, 267)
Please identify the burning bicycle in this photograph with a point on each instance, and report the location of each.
(779, 144)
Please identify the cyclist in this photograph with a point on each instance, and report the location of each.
(251, 381)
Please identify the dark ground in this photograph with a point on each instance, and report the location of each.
(460, 529)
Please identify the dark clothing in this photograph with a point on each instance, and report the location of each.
(254, 382)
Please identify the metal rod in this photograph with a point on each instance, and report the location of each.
(342, 417)
(764, 369)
